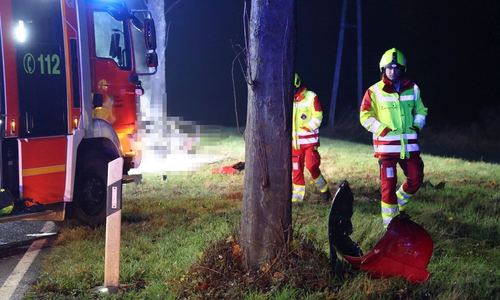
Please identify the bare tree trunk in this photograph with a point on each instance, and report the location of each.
(157, 81)
(154, 102)
(266, 212)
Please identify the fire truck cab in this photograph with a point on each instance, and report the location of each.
(69, 101)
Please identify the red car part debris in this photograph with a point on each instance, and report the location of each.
(404, 250)
(236, 168)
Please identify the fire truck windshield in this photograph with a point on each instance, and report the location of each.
(111, 39)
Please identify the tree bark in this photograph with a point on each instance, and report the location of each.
(153, 114)
(266, 212)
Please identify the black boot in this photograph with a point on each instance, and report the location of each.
(326, 196)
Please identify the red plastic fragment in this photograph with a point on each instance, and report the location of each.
(226, 170)
(404, 250)
(233, 169)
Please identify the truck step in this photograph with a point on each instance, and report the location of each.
(9, 218)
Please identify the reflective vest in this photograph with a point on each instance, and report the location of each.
(383, 107)
(306, 119)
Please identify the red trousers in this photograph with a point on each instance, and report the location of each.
(312, 160)
(413, 169)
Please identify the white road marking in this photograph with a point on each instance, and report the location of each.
(17, 274)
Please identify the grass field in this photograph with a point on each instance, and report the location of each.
(174, 230)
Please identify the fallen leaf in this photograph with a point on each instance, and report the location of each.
(237, 255)
(202, 286)
(265, 268)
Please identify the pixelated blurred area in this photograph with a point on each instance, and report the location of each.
(171, 144)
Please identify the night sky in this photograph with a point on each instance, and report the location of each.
(451, 49)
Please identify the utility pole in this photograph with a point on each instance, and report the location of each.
(340, 45)
(360, 52)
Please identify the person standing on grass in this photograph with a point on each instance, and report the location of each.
(394, 112)
(306, 119)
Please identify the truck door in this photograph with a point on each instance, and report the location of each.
(40, 68)
(43, 110)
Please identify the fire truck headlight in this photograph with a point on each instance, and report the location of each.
(21, 32)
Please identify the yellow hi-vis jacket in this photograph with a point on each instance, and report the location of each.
(306, 119)
(383, 107)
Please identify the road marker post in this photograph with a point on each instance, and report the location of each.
(113, 228)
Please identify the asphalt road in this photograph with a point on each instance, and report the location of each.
(20, 263)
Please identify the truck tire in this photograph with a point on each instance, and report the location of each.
(91, 189)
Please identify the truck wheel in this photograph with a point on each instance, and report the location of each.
(91, 189)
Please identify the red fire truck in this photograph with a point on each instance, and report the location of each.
(69, 98)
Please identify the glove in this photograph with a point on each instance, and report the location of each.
(385, 132)
(415, 128)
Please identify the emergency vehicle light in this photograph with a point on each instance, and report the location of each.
(75, 122)
(21, 32)
(12, 126)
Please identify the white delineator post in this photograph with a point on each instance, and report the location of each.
(113, 223)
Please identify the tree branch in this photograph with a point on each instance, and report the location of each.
(234, 87)
(171, 6)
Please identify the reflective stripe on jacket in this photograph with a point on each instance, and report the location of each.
(383, 107)
(306, 119)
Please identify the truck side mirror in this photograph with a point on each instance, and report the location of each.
(150, 34)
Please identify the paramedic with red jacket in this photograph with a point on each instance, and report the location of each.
(306, 119)
(393, 111)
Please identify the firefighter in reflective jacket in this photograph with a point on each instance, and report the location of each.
(306, 119)
(394, 112)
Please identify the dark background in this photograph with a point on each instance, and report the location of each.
(451, 50)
